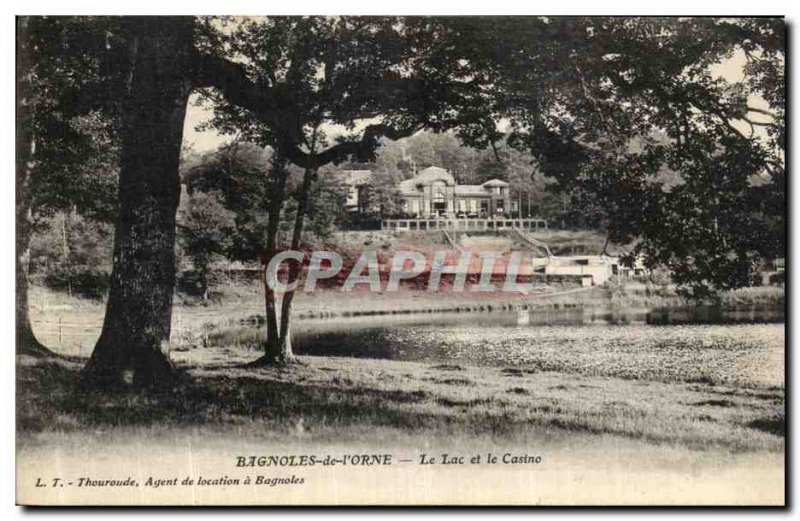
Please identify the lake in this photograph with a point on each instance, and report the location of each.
(702, 345)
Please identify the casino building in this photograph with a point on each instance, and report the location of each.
(433, 193)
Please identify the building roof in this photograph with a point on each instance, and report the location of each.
(408, 187)
(411, 187)
(474, 190)
(434, 173)
(494, 182)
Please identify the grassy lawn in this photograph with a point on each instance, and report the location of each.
(326, 397)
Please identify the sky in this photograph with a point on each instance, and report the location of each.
(200, 141)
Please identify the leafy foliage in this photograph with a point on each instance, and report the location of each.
(628, 115)
(238, 177)
(72, 253)
(206, 227)
(613, 107)
(70, 113)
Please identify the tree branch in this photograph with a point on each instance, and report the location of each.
(761, 111)
(231, 80)
(362, 148)
(237, 88)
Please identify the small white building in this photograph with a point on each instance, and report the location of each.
(599, 267)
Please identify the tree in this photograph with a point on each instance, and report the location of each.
(139, 309)
(382, 195)
(206, 227)
(298, 74)
(73, 253)
(529, 188)
(326, 211)
(236, 173)
(445, 150)
(633, 99)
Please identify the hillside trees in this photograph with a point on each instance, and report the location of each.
(206, 227)
(236, 175)
(72, 252)
(232, 185)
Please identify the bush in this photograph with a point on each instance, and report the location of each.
(83, 281)
(73, 254)
(777, 278)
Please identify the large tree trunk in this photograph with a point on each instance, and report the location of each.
(26, 342)
(139, 309)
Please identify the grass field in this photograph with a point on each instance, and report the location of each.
(603, 439)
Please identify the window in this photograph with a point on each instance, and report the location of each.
(439, 203)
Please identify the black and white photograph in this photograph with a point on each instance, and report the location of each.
(359, 259)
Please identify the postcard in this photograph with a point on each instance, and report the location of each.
(400, 260)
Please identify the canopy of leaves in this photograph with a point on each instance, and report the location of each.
(206, 228)
(70, 73)
(611, 107)
(364, 77)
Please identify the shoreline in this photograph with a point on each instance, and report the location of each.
(72, 324)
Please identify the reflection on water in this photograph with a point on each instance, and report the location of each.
(376, 336)
(553, 317)
(715, 315)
